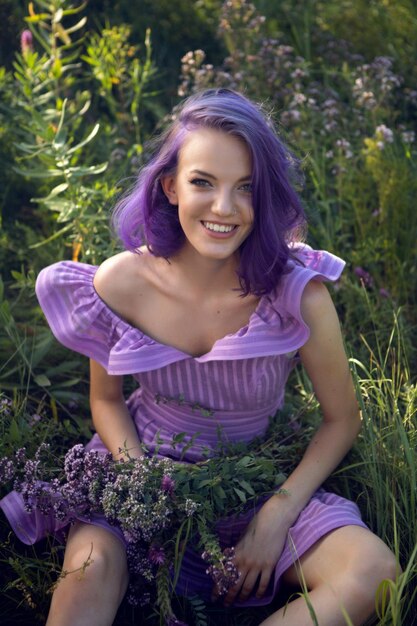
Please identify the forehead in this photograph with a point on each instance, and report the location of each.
(208, 147)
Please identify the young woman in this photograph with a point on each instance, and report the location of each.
(218, 305)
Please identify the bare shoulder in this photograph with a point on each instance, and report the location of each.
(315, 300)
(117, 275)
(317, 308)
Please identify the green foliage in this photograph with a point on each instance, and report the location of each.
(77, 107)
(65, 133)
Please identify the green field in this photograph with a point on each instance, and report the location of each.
(80, 98)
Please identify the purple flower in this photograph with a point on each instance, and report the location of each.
(5, 406)
(173, 621)
(156, 555)
(168, 484)
(384, 293)
(35, 418)
(26, 42)
(365, 276)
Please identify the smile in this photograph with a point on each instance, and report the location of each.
(219, 228)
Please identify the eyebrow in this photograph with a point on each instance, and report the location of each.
(202, 173)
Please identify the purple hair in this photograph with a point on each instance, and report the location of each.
(146, 216)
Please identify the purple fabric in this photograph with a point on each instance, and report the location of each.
(229, 392)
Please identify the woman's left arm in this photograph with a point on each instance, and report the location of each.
(325, 361)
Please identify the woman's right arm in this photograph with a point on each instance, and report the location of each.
(111, 418)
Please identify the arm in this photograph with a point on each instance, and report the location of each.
(111, 417)
(325, 361)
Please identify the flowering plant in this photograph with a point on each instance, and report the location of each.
(161, 506)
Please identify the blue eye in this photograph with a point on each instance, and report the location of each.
(247, 188)
(200, 182)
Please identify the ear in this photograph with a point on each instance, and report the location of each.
(169, 187)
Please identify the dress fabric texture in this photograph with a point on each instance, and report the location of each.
(229, 393)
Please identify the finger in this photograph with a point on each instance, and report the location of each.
(248, 585)
(263, 583)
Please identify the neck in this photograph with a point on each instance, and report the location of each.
(206, 275)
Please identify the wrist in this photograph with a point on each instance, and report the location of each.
(284, 503)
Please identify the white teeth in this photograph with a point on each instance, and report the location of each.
(218, 228)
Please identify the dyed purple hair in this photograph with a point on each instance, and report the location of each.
(146, 216)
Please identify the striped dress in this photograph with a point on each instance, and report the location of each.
(230, 392)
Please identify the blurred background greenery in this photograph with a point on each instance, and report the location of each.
(82, 92)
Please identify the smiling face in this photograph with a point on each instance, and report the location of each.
(212, 189)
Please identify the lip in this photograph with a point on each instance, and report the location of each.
(218, 234)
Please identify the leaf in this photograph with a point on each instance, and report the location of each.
(78, 25)
(87, 171)
(51, 238)
(244, 461)
(33, 19)
(54, 192)
(58, 16)
(75, 10)
(42, 380)
(219, 492)
(85, 141)
(60, 205)
(247, 487)
(14, 432)
(38, 173)
(178, 438)
(240, 494)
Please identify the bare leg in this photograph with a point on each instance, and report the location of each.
(91, 592)
(341, 571)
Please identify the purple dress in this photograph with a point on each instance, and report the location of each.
(232, 390)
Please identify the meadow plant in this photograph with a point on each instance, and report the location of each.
(74, 116)
(160, 506)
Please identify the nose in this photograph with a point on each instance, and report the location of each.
(223, 204)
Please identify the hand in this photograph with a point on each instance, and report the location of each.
(258, 551)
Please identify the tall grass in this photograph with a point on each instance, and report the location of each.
(63, 102)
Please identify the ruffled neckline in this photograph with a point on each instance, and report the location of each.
(85, 323)
(151, 340)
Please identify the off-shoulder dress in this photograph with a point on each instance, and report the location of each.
(232, 390)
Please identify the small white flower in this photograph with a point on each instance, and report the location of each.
(385, 133)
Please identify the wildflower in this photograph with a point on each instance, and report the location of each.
(168, 484)
(156, 555)
(365, 276)
(20, 455)
(190, 507)
(299, 98)
(5, 406)
(384, 133)
(173, 621)
(26, 42)
(7, 470)
(345, 148)
(223, 571)
(384, 293)
(74, 462)
(34, 419)
(408, 136)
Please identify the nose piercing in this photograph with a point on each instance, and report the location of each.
(234, 211)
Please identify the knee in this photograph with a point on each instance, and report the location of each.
(370, 569)
(100, 567)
